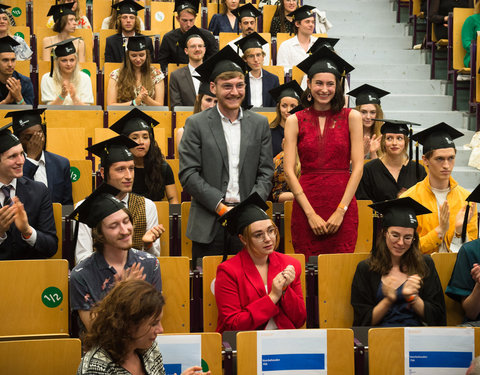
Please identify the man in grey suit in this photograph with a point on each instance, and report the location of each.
(225, 155)
(183, 88)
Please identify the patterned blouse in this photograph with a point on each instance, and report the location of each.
(157, 77)
(279, 181)
(275, 27)
(97, 361)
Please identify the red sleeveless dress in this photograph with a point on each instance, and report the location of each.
(325, 162)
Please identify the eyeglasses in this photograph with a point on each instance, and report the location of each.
(262, 236)
(229, 86)
(395, 237)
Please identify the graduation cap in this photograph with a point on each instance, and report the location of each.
(290, 89)
(436, 137)
(401, 212)
(253, 40)
(97, 206)
(25, 119)
(113, 150)
(205, 89)
(301, 13)
(133, 121)
(137, 43)
(245, 213)
(186, 4)
(247, 10)
(61, 49)
(225, 60)
(60, 10)
(320, 42)
(7, 139)
(193, 32)
(325, 61)
(473, 197)
(127, 7)
(3, 8)
(367, 94)
(7, 43)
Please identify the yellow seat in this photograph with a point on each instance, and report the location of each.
(49, 356)
(21, 31)
(23, 67)
(186, 244)
(444, 263)
(335, 275)
(340, 356)
(81, 177)
(277, 70)
(163, 212)
(365, 227)
(225, 38)
(19, 11)
(102, 36)
(85, 34)
(35, 295)
(458, 52)
(176, 290)
(57, 215)
(287, 227)
(180, 118)
(162, 15)
(268, 13)
(210, 311)
(213, 8)
(269, 115)
(67, 142)
(40, 11)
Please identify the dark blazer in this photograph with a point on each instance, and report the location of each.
(181, 88)
(269, 81)
(204, 166)
(38, 206)
(58, 177)
(115, 52)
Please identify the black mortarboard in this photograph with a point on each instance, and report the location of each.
(137, 43)
(401, 212)
(367, 94)
(64, 48)
(7, 139)
(192, 32)
(127, 7)
(296, 109)
(97, 206)
(186, 4)
(325, 61)
(436, 137)
(113, 150)
(253, 40)
(25, 119)
(60, 10)
(205, 89)
(7, 43)
(320, 42)
(302, 12)
(3, 8)
(250, 210)
(225, 60)
(134, 121)
(473, 197)
(395, 126)
(290, 89)
(247, 10)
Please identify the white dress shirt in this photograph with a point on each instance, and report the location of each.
(85, 241)
(41, 173)
(291, 53)
(196, 82)
(256, 94)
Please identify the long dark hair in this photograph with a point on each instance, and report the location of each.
(153, 162)
(337, 102)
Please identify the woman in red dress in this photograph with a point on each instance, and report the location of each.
(328, 137)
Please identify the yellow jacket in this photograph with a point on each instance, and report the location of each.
(429, 239)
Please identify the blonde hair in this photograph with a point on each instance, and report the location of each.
(229, 75)
(57, 75)
(383, 147)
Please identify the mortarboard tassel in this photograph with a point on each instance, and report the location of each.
(465, 222)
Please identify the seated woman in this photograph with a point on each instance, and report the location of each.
(258, 288)
(136, 82)
(287, 97)
(126, 344)
(225, 22)
(204, 100)
(82, 20)
(367, 102)
(393, 173)
(281, 191)
(65, 25)
(469, 32)
(66, 84)
(438, 14)
(259, 82)
(22, 51)
(110, 22)
(154, 178)
(281, 21)
(398, 286)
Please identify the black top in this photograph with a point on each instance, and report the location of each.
(275, 27)
(277, 137)
(440, 8)
(377, 184)
(140, 187)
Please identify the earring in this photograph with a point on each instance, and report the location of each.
(309, 97)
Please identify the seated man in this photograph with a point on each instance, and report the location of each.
(27, 226)
(51, 169)
(15, 88)
(113, 258)
(441, 230)
(117, 170)
(127, 25)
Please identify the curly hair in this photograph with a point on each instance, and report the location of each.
(337, 102)
(118, 24)
(154, 165)
(116, 318)
(127, 82)
(411, 263)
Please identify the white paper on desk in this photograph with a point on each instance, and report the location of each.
(180, 352)
(439, 351)
(297, 351)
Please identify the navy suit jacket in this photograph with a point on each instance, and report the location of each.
(269, 81)
(115, 52)
(58, 177)
(38, 206)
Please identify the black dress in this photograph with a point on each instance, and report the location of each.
(377, 183)
(277, 137)
(276, 26)
(140, 187)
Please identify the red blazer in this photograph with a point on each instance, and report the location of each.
(243, 304)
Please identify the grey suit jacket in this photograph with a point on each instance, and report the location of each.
(181, 88)
(204, 170)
